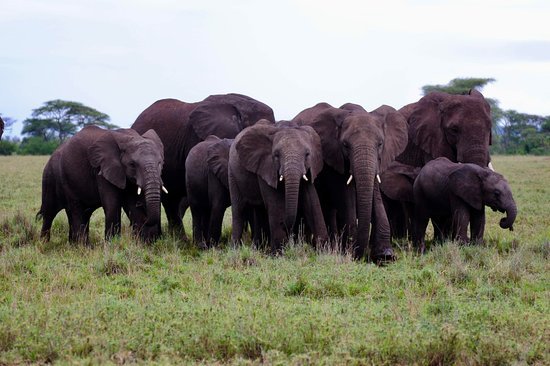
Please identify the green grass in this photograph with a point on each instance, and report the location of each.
(122, 301)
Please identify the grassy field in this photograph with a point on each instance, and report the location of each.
(121, 302)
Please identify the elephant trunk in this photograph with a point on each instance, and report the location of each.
(475, 155)
(292, 187)
(152, 189)
(508, 221)
(364, 174)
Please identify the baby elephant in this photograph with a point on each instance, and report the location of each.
(454, 195)
(208, 188)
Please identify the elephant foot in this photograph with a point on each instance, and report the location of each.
(384, 256)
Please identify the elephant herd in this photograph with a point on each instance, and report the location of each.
(337, 174)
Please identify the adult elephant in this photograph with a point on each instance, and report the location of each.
(109, 169)
(357, 146)
(206, 176)
(273, 167)
(182, 125)
(457, 194)
(457, 127)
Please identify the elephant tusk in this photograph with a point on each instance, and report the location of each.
(490, 166)
(281, 178)
(164, 189)
(349, 179)
(305, 178)
(139, 190)
(378, 179)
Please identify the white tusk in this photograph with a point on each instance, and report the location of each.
(139, 190)
(305, 178)
(490, 166)
(349, 179)
(164, 189)
(378, 179)
(281, 178)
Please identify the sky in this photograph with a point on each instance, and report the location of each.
(120, 56)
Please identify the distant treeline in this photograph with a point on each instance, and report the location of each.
(52, 123)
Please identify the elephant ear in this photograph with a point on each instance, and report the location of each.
(254, 150)
(152, 135)
(425, 126)
(328, 125)
(316, 156)
(465, 183)
(395, 138)
(217, 159)
(218, 119)
(105, 154)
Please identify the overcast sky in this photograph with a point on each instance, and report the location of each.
(120, 56)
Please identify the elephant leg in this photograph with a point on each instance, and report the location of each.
(216, 219)
(477, 225)
(112, 221)
(47, 219)
(347, 217)
(408, 209)
(381, 249)
(198, 217)
(460, 220)
(441, 228)
(77, 225)
(173, 210)
(420, 225)
(313, 214)
(274, 202)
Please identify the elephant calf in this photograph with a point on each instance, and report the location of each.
(456, 194)
(208, 188)
(109, 169)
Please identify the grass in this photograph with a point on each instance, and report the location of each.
(124, 302)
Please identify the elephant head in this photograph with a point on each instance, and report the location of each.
(361, 145)
(457, 127)
(480, 187)
(127, 159)
(282, 155)
(226, 115)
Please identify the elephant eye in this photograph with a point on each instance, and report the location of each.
(132, 164)
(345, 144)
(497, 193)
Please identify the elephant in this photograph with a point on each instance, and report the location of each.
(206, 176)
(359, 145)
(104, 168)
(456, 193)
(182, 125)
(1, 127)
(272, 169)
(397, 194)
(457, 127)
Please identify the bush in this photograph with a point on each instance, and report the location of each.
(7, 147)
(37, 146)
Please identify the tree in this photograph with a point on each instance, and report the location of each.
(524, 133)
(60, 119)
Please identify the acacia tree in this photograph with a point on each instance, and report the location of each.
(60, 119)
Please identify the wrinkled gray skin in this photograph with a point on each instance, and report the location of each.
(206, 176)
(397, 195)
(458, 193)
(103, 168)
(182, 125)
(361, 144)
(258, 158)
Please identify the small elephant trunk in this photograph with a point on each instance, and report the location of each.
(511, 213)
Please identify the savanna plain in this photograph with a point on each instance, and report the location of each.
(127, 302)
